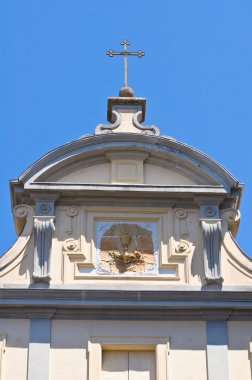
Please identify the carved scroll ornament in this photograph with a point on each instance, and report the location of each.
(231, 220)
(146, 129)
(136, 121)
(108, 128)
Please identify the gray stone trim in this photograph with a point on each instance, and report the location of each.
(39, 349)
(64, 295)
(119, 312)
(101, 304)
(201, 189)
(217, 350)
(39, 313)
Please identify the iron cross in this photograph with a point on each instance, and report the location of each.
(125, 53)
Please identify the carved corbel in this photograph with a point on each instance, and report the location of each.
(43, 232)
(211, 227)
(108, 128)
(146, 129)
(43, 228)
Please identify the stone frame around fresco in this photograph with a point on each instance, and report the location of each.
(87, 239)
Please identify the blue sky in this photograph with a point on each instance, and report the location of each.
(55, 79)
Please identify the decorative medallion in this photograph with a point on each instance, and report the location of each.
(45, 208)
(126, 248)
(71, 245)
(210, 212)
(182, 247)
(181, 213)
(72, 211)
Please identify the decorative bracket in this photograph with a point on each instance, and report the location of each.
(43, 231)
(43, 228)
(211, 226)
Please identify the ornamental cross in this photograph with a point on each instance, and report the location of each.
(125, 53)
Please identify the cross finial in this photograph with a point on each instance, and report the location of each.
(125, 53)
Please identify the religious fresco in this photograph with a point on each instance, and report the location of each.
(126, 248)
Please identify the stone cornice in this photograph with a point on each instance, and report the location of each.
(130, 305)
(66, 294)
(127, 187)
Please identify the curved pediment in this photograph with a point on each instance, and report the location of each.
(150, 160)
(151, 171)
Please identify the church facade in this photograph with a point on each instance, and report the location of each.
(126, 265)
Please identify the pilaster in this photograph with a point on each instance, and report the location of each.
(39, 349)
(217, 350)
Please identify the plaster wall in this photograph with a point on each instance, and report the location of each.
(15, 355)
(239, 337)
(233, 273)
(20, 269)
(69, 344)
(102, 174)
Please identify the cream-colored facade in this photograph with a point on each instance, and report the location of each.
(126, 265)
